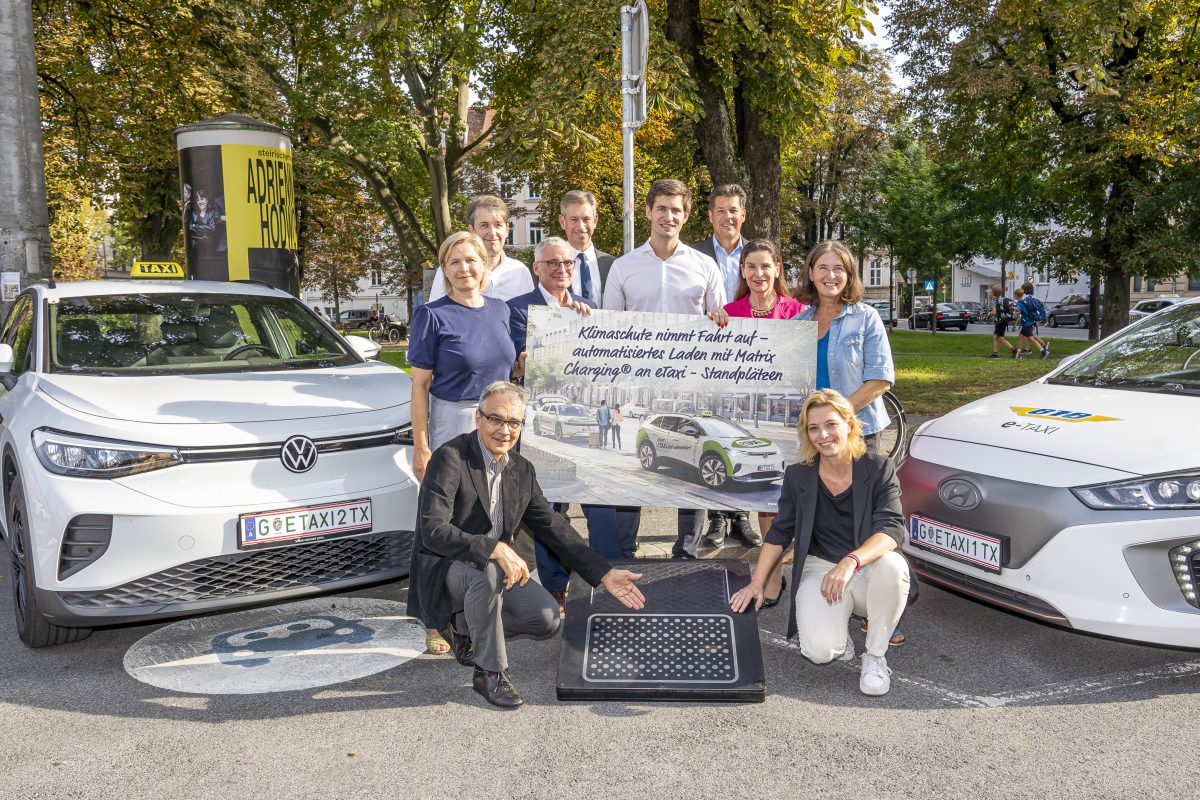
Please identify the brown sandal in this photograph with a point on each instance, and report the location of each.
(435, 644)
(897, 635)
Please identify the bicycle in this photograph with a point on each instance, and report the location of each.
(383, 332)
(893, 440)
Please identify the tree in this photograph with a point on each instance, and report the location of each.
(1110, 88)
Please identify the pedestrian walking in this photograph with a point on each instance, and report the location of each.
(1003, 312)
(617, 419)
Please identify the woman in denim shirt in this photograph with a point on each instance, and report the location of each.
(854, 356)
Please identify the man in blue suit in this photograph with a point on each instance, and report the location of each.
(554, 265)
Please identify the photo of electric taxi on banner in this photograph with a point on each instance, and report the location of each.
(1074, 499)
(174, 447)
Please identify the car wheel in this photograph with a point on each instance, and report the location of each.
(1083, 321)
(712, 471)
(912, 326)
(648, 456)
(32, 627)
(1053, 321)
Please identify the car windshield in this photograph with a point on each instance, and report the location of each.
(163, 334)
(1161, 354)
(573, 411)
(715, 426)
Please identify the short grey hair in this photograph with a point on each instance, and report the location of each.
(504, 387)
(549, 240)
(576, 197)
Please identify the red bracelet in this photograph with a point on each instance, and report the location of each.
(857, 562)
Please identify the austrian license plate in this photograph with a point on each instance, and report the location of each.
(308, 524)
(980, 550)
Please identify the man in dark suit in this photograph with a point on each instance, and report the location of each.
(465, 578)
(577, 217)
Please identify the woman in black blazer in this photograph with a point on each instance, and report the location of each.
(840, 507)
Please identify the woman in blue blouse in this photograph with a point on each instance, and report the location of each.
(457, 345)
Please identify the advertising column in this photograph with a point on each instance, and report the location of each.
(239, 201)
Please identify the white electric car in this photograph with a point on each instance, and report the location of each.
(721, 452)
(170, 448)
(1074, 499)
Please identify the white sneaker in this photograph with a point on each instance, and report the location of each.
(849, 654)
(876, 675)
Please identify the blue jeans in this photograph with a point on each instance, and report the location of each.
(604, 436)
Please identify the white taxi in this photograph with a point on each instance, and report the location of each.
(1074, 499)
(172, 448)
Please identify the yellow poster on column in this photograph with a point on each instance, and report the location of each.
(260, 207)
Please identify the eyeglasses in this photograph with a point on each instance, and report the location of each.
(511, 424)
(559, 266)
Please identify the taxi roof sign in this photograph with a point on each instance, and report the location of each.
(160, 270)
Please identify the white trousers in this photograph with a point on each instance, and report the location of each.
(878, 592)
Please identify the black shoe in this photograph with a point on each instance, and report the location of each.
(716, 531)
(460, 645)
(742, 529)
(497, 689)
(772, 602)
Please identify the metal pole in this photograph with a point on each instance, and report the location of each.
(628, 88)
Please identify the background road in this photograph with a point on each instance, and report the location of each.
(983, 705)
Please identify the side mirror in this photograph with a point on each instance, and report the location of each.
(364, 347)
(6, 358)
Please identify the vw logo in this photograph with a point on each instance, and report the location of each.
(959, 494)
(298, 454)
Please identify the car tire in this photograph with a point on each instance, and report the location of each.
(1053, 321)
(912, 326)
(648, 456)
(32, 628)
(558, 431)
(712, 471)
(1083, 321)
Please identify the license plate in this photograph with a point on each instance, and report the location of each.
(980, 550)
(309, 523)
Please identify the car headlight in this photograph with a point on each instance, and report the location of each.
(1167, 492)
(86, 457)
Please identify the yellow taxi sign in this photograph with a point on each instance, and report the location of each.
(163, 270)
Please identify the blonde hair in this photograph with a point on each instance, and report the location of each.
(829, 398)
(464, 237)
(806, 290)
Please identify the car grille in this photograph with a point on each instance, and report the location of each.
(332, 444)
(383, 555)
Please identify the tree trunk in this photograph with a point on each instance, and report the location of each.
(761, 154)
(160, 220)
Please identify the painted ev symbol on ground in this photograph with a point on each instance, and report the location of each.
(278, 649)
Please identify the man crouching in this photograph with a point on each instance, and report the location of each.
(465, 578)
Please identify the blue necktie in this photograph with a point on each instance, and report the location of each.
(585, 277)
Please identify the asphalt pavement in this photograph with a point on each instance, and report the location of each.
(983, 704)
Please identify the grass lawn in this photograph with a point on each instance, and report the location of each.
(940, 372)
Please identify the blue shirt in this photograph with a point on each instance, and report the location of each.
(823, 362)
(730, 264)
(859, 351)
(465, 348)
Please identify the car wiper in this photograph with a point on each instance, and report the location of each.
(322, 364)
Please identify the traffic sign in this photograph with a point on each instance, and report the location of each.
(929, 286)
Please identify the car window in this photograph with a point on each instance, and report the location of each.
(173, 333)
(573, 411)
(715, 426)
(18, 334)
(689, 428)
(667, 423)
(1160, 354)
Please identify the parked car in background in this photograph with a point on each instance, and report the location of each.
(948, 315)
(634, 410)
(564, 419)
(357, 318)
(1074, 499)
(1074, 309)
(978, 312)
(884, 308)
(179, 447)
(1145, 308)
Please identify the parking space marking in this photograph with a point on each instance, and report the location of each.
(1050, 692)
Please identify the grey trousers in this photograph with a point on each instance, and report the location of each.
(492, 613)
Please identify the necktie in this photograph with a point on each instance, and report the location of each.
(585, 277)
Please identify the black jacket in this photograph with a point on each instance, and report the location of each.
(453, 524)
(876, 495)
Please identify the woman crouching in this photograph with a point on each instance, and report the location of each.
(841, 507)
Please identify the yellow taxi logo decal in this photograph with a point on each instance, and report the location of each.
(1059, 414)
(166, 270)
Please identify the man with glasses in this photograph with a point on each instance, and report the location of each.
(554, 267)
(466, 579)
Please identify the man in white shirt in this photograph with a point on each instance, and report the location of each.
(727, 215)
(577, 217)
(487, 217)
(664, 275)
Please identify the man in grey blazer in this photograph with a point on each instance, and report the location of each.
(577, 217)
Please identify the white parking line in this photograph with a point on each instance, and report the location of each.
(1065, 690)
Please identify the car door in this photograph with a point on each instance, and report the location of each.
(662, 433)
(690, 438)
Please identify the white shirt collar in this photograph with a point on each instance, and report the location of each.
(551, 300)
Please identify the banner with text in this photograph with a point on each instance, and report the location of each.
(640, 409)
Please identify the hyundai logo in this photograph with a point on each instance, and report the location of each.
(298, 454)
(959, 494)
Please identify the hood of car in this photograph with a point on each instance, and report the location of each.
(1136, 432)
(233, 398)
(746, 444)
